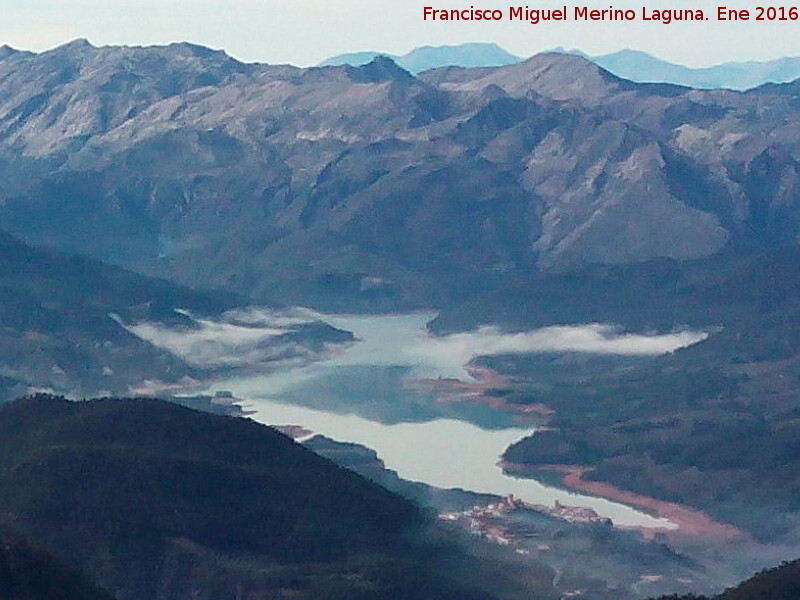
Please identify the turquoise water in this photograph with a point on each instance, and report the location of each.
(366, 393)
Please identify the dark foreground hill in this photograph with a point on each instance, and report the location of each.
(779, 583)
(30, 574)
(154, 501)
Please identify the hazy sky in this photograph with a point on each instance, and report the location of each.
(303, 32)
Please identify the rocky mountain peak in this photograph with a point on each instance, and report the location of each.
(553, 75)
(78, 45)
(7, 51)
(381, 68)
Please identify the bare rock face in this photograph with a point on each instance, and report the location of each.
(304, 184)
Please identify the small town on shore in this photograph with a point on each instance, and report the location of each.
(490, 520)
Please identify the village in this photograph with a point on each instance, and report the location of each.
(492, 522)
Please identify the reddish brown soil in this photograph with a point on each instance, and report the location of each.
(485, 379)
(690, 523)
(294, 431)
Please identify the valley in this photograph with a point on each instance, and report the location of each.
(371, 391)
(539, 325)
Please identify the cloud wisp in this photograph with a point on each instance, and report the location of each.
(239, 338)
(254, 336)
(594, 338)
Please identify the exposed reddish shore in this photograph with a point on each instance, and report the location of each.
(690, 523)
(294, 431)
(484, 379)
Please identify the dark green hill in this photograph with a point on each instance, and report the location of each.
(56, 325)
(713, 426)
(156, 501)
(29, 574)
(778, 583)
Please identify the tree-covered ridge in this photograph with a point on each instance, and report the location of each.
(156, 501)
(30, 574)
(56, 325)
(779, 583)
(672, 426)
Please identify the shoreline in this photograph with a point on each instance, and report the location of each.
(475, 391)
(690, 523)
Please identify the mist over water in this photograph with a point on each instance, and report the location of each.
(240, 338)
(372, 391)
(249, 337)
(403, 340)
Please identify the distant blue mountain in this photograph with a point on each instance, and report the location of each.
(628, 64)
(429, 57)
(642, 67)
(355, 59)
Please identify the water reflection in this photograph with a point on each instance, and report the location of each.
(445, 453)
(369, 393)
(396, 372)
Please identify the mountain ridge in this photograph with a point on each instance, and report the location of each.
(154, 501)
(550, 156)
(58, 328)
(630, 64)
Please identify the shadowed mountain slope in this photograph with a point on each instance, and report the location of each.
(60, 321)
(29, 574)
(367, 186)
(156, 501)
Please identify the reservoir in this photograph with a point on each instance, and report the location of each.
(368, 392)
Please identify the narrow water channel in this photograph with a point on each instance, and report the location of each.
(362, 395)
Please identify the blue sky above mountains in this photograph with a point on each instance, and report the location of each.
(304, 32)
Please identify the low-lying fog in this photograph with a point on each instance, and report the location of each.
(395, 371)
(250, 337)
(385, 390)
(240, 338)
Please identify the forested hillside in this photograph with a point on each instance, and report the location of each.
(154, 501)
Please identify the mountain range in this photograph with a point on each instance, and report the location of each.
(543, 191)
(367, 186)
(431, 57)
(633, 65)
(642, 67)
